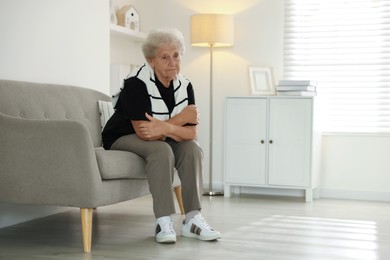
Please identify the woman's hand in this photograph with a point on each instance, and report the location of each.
(190, 115)
(154, 128)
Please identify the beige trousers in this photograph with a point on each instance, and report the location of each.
(161, 158)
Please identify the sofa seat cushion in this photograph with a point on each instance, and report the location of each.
(119, 165)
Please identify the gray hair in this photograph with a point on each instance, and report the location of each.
(157, 37)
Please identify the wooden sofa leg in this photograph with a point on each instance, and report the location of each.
(86, 223)
(179, 199)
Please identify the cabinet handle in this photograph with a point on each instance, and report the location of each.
(271, 142)
(262, 141)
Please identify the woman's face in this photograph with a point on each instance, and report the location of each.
(166, 63)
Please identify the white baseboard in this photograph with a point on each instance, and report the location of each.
(262, 191)
(323, 193)
(271, 191)
(355, 195)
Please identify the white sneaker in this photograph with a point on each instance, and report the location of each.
(198, 228)
(164, 230)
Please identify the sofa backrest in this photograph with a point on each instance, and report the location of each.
(53, 102)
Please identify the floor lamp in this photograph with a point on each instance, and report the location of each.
(211, 30)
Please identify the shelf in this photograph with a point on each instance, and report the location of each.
(120, 31)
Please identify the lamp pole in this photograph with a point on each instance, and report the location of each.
(211, 192)
(211, 30)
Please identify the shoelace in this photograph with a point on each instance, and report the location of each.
(201, 221)
(166, 226)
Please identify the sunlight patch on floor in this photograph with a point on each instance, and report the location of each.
(307, 236)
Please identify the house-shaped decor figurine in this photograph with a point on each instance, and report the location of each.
(128, 17)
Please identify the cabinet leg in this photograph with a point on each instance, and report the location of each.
(316, 193)
(227, 191)
(309, 195)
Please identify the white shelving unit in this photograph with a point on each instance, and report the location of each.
(120, 31)
(125, 52)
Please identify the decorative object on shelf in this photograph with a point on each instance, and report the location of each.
(212, 30)
(261, 80)
(128, 17)
(113, 18)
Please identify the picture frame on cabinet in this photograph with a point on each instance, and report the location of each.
(261, 80)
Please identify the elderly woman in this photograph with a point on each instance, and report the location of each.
(156, 117)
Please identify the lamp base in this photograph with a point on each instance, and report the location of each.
(213, 193)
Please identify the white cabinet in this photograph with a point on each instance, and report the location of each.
(270, 142)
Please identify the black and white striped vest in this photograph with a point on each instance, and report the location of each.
(159, 109)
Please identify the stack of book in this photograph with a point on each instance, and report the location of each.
(296, 88)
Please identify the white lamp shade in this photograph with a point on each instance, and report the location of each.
(215, 30)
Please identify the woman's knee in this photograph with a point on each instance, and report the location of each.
(193, 148)
(162, 150)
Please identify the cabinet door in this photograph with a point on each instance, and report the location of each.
(290, 133)
(245, 141)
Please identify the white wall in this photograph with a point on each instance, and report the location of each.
(53, 41)
(356, 167)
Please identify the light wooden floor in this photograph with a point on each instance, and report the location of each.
(252, 227)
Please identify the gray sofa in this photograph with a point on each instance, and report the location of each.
(51, 154)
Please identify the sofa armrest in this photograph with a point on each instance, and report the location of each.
(47, 162)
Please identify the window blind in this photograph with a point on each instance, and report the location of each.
(345, 46)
